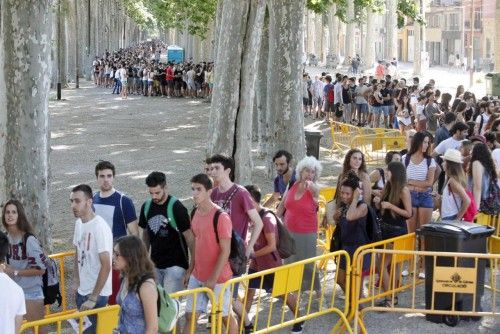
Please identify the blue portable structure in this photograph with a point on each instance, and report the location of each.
(175, 54)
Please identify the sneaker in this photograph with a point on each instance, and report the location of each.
(297, 328)
(405, 273)
(248, 329)
(421, 275)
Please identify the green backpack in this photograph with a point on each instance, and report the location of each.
(168, 308)
(171, 220)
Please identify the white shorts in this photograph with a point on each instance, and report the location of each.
(202, 299)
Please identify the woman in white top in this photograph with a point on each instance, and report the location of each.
(454, 201)
(420, 170)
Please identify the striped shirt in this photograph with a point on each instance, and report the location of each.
(418, 172)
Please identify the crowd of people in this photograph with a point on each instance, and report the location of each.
(139, 70)
(381, 100)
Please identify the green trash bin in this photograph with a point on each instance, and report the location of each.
(492, 84)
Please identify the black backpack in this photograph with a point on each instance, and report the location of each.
(373, 230)
(286, 243)
(237, 256)
(50, 278)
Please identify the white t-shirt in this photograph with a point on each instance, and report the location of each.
(446, 144)
(496, 157)
(91, 239)
(486, 118)
(417, 172)
(12, 303)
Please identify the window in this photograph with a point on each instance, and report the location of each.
(454, 21)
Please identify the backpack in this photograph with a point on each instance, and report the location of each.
(237, 256)
(373, 230)
(330, 95)
(167, 307)
(170, 218)
(50, 278)
(471, 211)
(285, 243)
(491, 204)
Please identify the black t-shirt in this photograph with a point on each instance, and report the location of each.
(386, 92)
(166, 247)
(346, 97)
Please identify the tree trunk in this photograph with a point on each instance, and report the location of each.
(419, 42)
(227, 74)
(284, 70)
(242, 153)
(261, 93)
(391, 27)
(369, 49)
(497, 37)
(333, 24)
(24, 88)
(349, 33)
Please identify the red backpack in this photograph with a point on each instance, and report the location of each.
(330, 95)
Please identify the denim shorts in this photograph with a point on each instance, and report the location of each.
(362, 107)
(171, 278)
(34, 294)
(202, 299)
(385, 110)
(377, 110)
(422, 199)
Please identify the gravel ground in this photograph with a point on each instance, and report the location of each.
(142, 134)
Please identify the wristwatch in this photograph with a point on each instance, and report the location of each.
(16, 273)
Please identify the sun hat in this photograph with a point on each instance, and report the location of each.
(453, 155)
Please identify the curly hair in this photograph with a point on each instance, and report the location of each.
(346, 167)
(138, 263)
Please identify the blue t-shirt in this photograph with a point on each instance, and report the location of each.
(279, 183)
(117, 210)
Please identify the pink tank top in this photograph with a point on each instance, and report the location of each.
(301, 215)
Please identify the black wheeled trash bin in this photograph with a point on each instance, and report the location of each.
(461, 237)
(312, 143)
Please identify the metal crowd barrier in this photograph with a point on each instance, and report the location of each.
(393, 280)
(62, 259)
(375, 146)
(287, 285)
(342, 134)
(195, 293)
(493, 221)
(107, 319)
(456, 287)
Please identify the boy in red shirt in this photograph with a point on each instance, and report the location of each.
(210, 264)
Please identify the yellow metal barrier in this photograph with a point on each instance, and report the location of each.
(494, 248)
(287, 286)
(326, 194)
(456, 280)
(107, 319)
(376, 146)
(62, 259)
(195, 293)
(392, 281)
(493, 221)
(341, 136)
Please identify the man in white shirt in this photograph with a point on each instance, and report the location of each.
(458, 133)
(12, 304)
(94, 245)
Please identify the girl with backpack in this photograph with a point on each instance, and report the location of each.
(138, 294)
(455, 201)
(394, 204)
(26, 261)
(482, 180)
